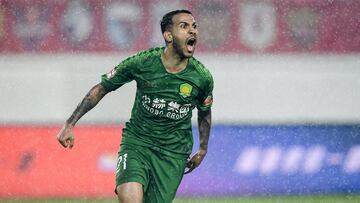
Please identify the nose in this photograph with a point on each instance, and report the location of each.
(193, 30)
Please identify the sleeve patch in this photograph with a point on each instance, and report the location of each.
(208, 101)
(111, 74)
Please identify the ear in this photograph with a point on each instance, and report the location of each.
(168, 36)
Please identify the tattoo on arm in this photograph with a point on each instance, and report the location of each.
(90, 100)
(204, 122)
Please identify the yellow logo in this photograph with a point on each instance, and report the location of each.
(185, 90)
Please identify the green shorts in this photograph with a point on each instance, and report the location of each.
(159, 174)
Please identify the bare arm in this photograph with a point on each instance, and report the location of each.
(65, 136)
(90, 100)
(204, 124)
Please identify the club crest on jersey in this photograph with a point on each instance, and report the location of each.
(185, 90)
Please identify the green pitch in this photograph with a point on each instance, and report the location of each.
(288, 199)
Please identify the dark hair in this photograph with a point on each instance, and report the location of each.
(166, 21)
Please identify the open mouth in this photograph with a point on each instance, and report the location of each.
(190, 44)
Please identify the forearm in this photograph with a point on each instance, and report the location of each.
(204, 124)
(90, 100)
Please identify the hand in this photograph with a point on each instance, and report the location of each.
(66, 137)
(195, 160)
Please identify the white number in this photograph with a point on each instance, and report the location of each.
(125, 158)
(119, 162)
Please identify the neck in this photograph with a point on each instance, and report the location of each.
(172, 61)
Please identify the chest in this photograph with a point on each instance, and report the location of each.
(182, 88)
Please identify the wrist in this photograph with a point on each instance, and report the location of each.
(202, 151)
(69, 125)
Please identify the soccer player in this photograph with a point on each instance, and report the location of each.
(157, 141)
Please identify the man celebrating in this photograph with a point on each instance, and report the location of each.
(157, 140)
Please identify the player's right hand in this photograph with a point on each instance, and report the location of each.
(66, 137)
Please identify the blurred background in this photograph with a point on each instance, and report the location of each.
(286, 113)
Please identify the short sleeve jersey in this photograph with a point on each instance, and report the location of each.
(162, 111)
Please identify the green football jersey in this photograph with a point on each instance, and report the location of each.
(161, 115)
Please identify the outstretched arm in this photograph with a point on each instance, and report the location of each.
(65, 136)
(204, 124)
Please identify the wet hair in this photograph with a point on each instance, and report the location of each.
(166, 21)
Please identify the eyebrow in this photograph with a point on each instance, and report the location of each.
(187, 23)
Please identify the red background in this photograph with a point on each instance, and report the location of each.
(337, 27)
(53, 171)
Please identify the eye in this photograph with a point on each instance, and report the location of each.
(195, 26)
(183, 25)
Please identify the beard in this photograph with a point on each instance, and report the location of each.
(180, 49)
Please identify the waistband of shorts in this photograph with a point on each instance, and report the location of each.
(135, 142)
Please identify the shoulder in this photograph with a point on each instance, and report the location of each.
(145, 55)
(201, 69)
